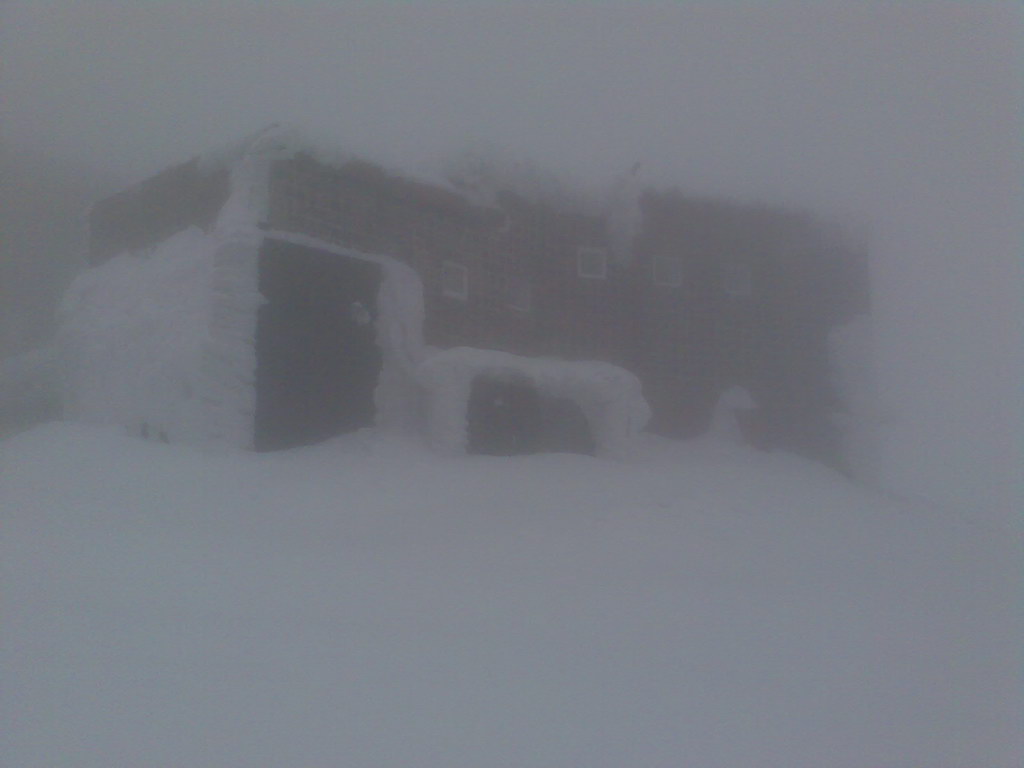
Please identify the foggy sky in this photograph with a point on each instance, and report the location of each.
(812, 103)
(903, 118)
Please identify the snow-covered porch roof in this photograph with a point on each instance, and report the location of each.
(609, 396)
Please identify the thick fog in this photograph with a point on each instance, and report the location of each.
(901, 121)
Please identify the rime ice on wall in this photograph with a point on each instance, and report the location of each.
(861, 420)
(609, 396)
(131, 337)
(162, 339)
(400, 337)
(229, 349)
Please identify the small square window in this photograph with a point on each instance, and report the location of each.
(736, 280)
(518, 294)
(592, 263)
(454, 280)
(668, 270)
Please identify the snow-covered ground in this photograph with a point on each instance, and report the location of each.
(368, 603)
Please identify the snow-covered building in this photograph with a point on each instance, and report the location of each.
(274, 294)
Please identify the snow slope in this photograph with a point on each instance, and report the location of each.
(368, 603)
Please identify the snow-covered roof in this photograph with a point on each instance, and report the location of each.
(603, 381)
(476, 182)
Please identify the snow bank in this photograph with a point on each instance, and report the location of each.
(346, 605)
(609, 396)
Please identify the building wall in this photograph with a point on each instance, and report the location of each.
(760, 290)
(524, 293)
(752, 293)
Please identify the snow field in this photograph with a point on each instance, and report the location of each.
(367, 602)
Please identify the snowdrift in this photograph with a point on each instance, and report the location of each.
(368, 603)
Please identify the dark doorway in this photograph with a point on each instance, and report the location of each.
(511, 418)
(317, 360)
(503, 418)
(565, 428)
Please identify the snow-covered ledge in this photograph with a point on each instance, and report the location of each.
(609, 396)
